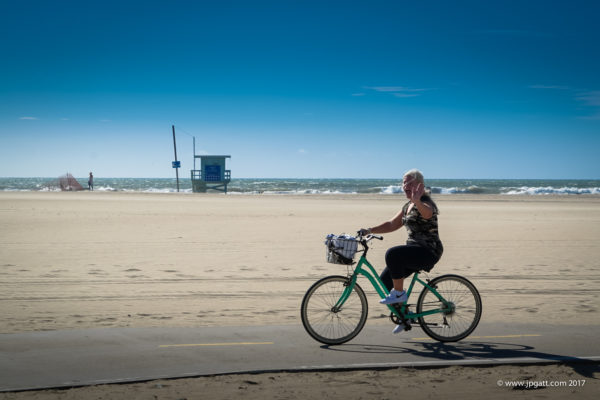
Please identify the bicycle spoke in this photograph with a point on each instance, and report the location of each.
(329, 325)
(454, 324)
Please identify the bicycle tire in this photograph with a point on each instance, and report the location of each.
(458, 323)
(329, 326)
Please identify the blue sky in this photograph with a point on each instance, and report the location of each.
(355, 89)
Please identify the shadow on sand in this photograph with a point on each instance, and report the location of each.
(486, 352)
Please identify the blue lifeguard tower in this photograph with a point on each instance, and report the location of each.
(211, 175)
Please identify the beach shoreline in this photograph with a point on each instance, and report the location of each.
(324, 186)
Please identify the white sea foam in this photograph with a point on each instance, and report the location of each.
(104, 189)
(48, 189)
(392, 189)
(525, 190)
(300, 192)
(458, 190)
(257, 186)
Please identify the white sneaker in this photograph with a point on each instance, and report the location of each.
(394, 297)
(400, 327)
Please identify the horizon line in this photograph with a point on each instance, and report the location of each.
(300, 178)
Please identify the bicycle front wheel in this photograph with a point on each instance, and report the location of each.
(326, 323)
(458, 320)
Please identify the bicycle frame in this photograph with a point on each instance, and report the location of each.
(380, 288)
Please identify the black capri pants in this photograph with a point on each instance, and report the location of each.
(403, 261)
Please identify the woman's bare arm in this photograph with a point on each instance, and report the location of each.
(389, 226)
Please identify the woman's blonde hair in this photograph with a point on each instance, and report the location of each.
(418, 175)
(415, 174)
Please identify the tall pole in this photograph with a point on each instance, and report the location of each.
(175, 148)
(194, 152)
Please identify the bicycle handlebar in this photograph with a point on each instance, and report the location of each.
(369, 237)
(364, 240)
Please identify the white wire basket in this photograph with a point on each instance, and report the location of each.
(340, 249)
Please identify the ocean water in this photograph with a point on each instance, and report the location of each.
(323, 186)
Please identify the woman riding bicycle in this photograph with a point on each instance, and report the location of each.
(423, 247)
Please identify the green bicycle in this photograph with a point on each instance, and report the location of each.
(334, 309)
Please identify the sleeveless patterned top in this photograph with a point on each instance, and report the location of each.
(421, 231)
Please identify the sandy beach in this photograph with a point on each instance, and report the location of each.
(90, 259)
(558, 381)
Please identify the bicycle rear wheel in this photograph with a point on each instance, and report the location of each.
(460, 319)
(325, 323)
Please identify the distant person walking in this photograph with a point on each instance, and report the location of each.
(91, 182)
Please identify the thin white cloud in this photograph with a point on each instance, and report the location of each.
(28, 118)
(591, 98)
(405, 94)
(398, 91)
(394, 89)
(387, 88)
(302, 151)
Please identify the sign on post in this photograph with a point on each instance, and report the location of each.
(176, 164)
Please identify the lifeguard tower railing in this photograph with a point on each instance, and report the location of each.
(211, 175)
(197, 175)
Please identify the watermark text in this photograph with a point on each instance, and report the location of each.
(530, 384)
